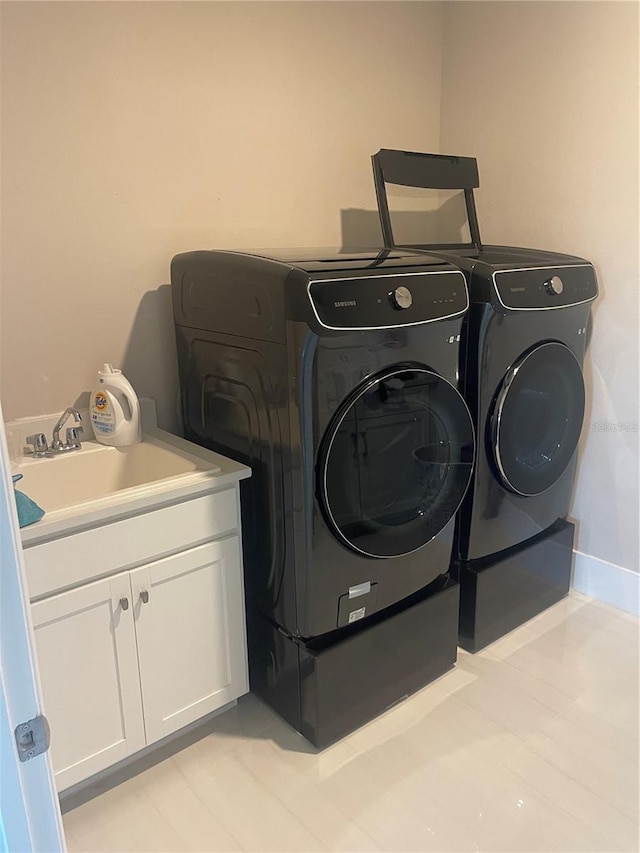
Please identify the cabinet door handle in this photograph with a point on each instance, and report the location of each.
(144, 595)
(124, 603)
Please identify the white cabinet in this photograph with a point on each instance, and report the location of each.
(190, 635)
(132, 657)
(86, 648)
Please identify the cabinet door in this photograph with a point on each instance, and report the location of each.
(85, 642)
(190, 628)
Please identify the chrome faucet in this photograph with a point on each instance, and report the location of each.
(38, 442)
(73, 442)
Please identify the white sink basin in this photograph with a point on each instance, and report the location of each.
(98, 485)
(96, 471)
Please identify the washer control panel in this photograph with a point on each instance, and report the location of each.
(387, 301)
(545, 287)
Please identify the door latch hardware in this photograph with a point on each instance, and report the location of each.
(360, 589)
(32, 738)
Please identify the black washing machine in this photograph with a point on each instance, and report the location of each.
(523, 347)
(334, 375)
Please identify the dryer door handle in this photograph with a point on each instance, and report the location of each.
(355, 441)
(360, 439)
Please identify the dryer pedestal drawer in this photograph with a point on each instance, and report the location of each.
(497, 594)
(326, 691)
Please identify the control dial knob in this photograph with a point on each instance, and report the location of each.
(401, 297)
(554, 286)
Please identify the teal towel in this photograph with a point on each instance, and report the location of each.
(28, 511)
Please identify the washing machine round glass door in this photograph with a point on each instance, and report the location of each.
(537, 418)
(395, 462)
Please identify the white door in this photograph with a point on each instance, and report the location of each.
(29, 811)
(192, 656)
(86, 647)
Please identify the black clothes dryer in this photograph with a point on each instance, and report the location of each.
(523, 346)
(334, 376)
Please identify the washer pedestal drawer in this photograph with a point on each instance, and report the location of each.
(329, 687)
(497, 594)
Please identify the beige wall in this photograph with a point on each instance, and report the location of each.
(132, 131)
(546, 96)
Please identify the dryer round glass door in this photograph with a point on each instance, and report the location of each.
(395, 462)
(537, 419)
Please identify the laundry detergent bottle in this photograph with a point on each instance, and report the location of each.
(115, 409)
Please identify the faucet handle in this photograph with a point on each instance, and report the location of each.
(73, 436)
(38, 445)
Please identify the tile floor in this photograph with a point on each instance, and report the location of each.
(530, 745)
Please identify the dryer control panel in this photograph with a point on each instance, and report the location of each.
(538, 288)
(388, 301)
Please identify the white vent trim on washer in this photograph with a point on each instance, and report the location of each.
(549, 267)
(390, 276)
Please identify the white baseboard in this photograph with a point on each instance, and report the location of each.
(607, 582)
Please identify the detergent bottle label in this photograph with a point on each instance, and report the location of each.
(102, 414)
